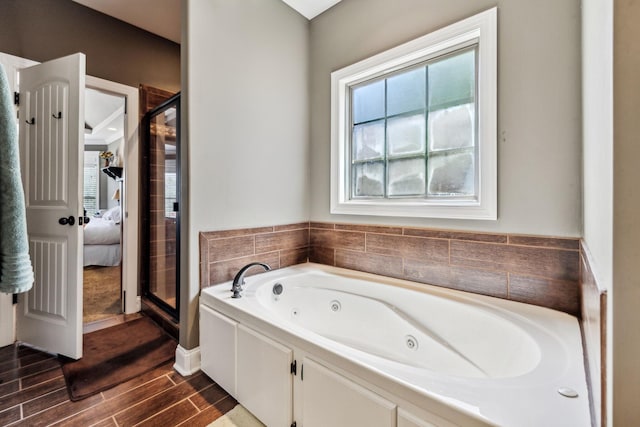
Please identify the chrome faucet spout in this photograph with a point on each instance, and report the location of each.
(238, 281)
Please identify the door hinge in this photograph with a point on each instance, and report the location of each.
(294, 367)
(16, 98)
(293, 424)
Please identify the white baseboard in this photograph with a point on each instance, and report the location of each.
(187, 361)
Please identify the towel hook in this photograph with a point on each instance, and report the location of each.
(32, 121)
(59, 116)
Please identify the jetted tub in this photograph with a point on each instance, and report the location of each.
(496, 362)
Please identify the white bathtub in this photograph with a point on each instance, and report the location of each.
(493, 361)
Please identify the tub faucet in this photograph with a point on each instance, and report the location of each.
(238, 281)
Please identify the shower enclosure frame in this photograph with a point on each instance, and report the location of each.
(145, 213)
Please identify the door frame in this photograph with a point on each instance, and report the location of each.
(130, 250)
(130, 205)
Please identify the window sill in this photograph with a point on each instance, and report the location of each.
(463, 209)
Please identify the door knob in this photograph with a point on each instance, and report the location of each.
(67, 221)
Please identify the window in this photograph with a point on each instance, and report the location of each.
(414, 128)
(91, 182)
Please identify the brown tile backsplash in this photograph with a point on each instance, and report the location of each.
(237, 232)
(224, 271)
(538, 270)
(594, 328)
(559, 295)
(486, 282)
(379, 264)
(546, 271)
(456, 235)
(286, 227)
(369, 228)
(322, 225)
(231, 247)
(408, 247)
(223, 253)
(546, 242)
(547, 263)
(289, 257)
(337, 239)
(322, 255)
(282, 240)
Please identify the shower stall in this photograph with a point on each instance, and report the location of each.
(160, 213)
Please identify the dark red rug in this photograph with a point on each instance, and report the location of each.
(116, 354)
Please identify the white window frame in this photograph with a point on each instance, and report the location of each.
(480, 29)
(96, 165)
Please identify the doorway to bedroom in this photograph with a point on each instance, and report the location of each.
(103, 191)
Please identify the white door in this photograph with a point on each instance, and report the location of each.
(51, 142)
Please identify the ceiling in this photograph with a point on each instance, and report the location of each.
(311, 8)
(162, 17)
(103, 117)
(104, 113)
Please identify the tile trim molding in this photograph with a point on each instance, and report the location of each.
(594, 326)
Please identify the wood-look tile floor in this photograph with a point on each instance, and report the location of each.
(33, 393)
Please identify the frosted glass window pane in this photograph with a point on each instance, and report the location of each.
(452, 80)
(452, 127)
(368, 141)
(368, 102)
(406, 135)
(91, 182)
(406, 92)
(452, 174)
(368, 179)
(406, 177)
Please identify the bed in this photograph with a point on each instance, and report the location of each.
(102, 239)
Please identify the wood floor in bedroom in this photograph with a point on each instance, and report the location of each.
(33, 393)
(101, 293)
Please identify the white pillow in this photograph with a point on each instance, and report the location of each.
(113, 214)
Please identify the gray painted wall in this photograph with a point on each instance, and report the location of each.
(539, 112)
(41, 30)
(246, 109)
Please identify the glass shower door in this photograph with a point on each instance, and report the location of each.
(162, 188)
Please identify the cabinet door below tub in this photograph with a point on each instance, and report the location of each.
(264, 384)
(333, 400)
(218, 348)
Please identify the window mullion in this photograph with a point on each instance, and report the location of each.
(426, 132)
(386, 143)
